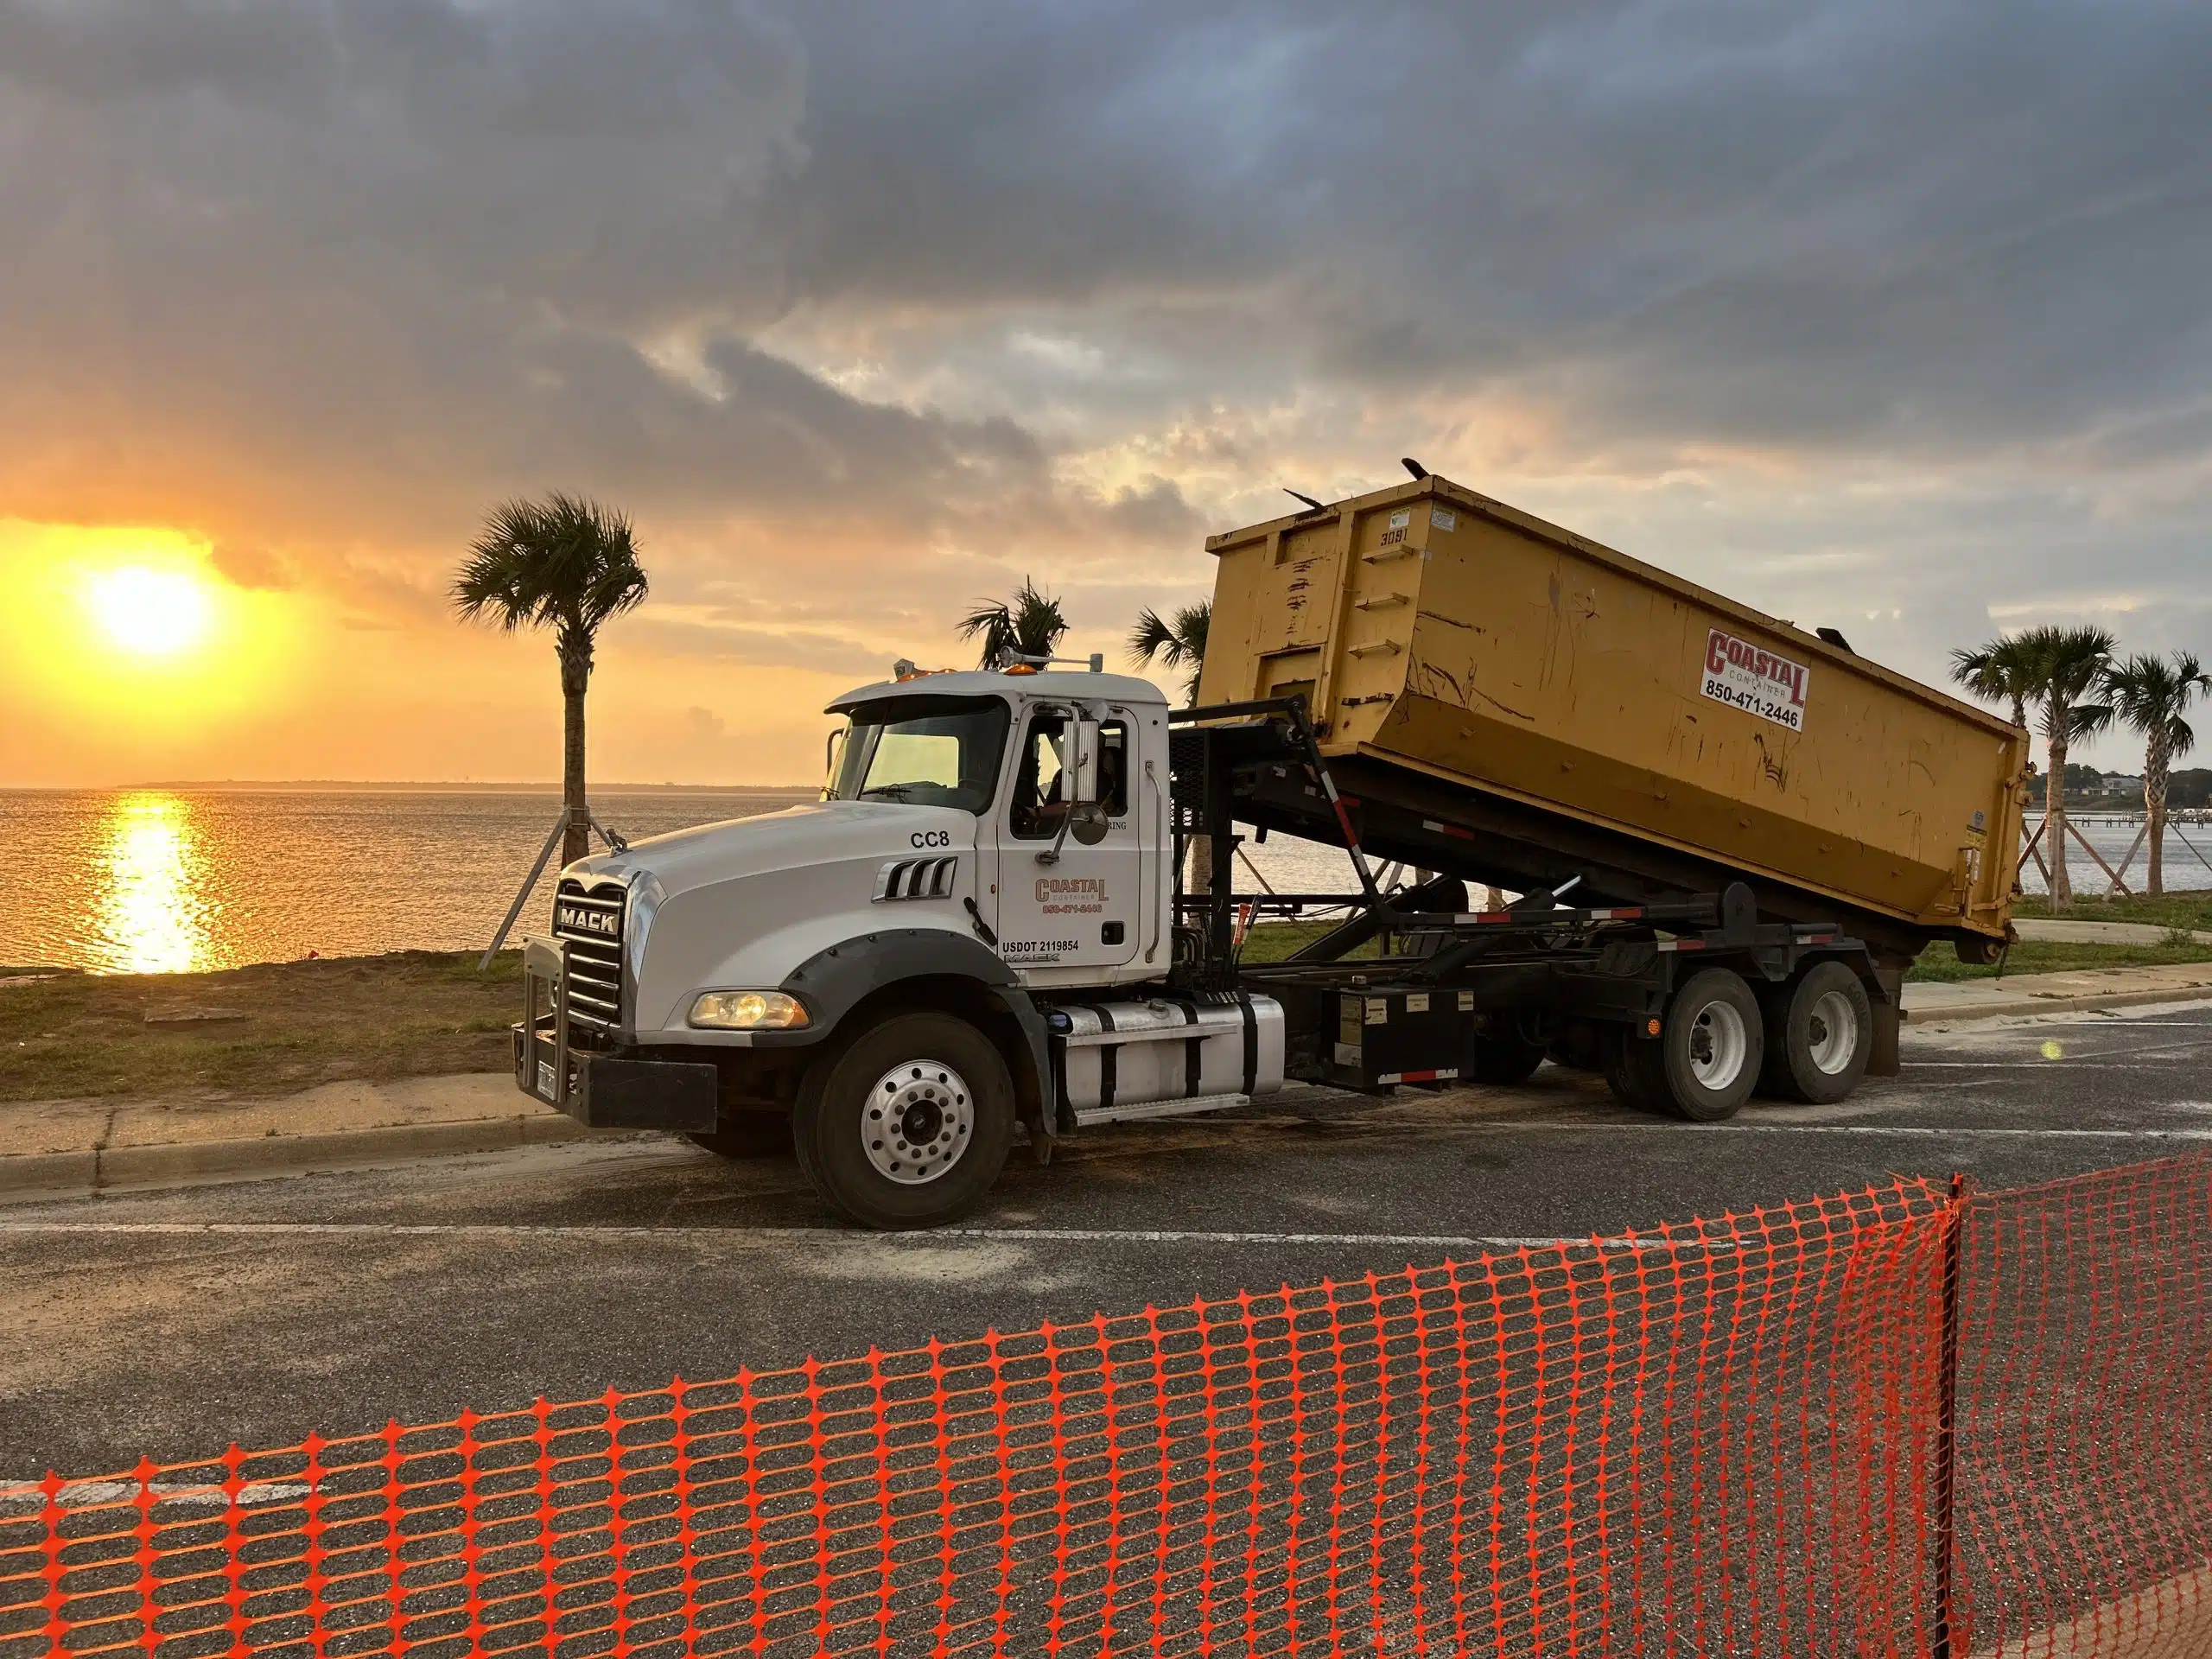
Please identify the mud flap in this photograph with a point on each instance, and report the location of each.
(1882, 1059)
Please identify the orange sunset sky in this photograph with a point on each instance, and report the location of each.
(863, 311)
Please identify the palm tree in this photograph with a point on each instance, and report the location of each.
(1028, 625)
(1178, 643)
(568, 564)
(2001, 671)
(2068, 667)
(2151, 694)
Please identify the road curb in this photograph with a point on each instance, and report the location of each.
(30, 1175)
(2084, 1004)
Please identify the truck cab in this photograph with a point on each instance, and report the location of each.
(890, 979)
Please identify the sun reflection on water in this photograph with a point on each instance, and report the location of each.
(150, 899)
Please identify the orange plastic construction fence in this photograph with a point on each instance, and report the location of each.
(1898, 1421)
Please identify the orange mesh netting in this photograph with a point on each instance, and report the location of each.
(2085, 1415)
(1727, 1437)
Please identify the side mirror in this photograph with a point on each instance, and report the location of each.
(1083, 762)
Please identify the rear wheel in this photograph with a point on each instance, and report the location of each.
(748, 1135)
(1636, 1071)
(1819, 1035)
(910, 1125)
(1712, 1048)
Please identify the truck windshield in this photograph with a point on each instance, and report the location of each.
(924, 751)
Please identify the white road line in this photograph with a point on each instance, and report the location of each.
(86, 1494)
(815, 1235)
(2071, 1062)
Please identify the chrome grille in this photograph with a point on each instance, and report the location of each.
(591, 924)
(916, 877)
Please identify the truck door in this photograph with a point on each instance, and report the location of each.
(1083, 909)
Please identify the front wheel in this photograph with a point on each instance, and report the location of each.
(910, 1125)
(1713, 1045)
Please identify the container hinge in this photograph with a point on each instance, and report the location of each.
(1380, 648)
(1383, 602)
(1383, 556)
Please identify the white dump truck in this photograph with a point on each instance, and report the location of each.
(1732, 836)
(892, 978)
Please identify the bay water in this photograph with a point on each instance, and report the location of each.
(167, 880)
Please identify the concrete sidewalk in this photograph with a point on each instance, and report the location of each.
(2054, 932)
(80, 1146)
(88, 1146)
(2083, 989)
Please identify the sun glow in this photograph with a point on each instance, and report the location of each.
(151, 908)
(149, 613)
(131, 643)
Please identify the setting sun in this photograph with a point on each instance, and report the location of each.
(149, 613)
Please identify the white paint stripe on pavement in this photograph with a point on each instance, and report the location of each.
(813, 1234)
(2071, 1062)
(86, 1494)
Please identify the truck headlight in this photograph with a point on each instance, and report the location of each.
(748, 1011)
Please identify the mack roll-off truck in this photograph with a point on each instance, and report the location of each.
(1016, 911)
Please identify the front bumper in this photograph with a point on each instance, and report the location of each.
(601, 1092)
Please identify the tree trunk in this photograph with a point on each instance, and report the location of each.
(2156, 760)
(2054, 822)
(1199, 879)
(576, 675)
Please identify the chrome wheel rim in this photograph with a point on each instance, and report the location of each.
(917, 1121)
(1720, 1044)
(1831, 1032)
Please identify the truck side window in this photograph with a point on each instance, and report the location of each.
(1040, 787)
(1040, 796)
(1113, 768)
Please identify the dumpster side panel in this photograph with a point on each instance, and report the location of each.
(1483, 647)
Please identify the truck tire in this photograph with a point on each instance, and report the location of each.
(1713, 1047)
(1636, 1071)
(1820, 1036)
(748, 1135)
(1501, 1058)
(909, 1125)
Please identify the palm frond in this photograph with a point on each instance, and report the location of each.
(2002, 671)
(1177, 642)
(2152, 694)
(992, 623)
(1038, 623)
(1030, 623)
(565, 561)
(1149, 638)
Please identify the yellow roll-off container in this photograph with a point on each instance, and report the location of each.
(1592, 714)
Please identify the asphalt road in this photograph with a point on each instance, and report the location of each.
(172, 1323)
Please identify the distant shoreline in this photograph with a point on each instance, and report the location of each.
(335, 786)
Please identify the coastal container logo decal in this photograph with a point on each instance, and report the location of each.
(1058, 896)
(1750, 677)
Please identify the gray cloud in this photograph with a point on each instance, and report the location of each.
(1809, 299)
(1855, 222)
